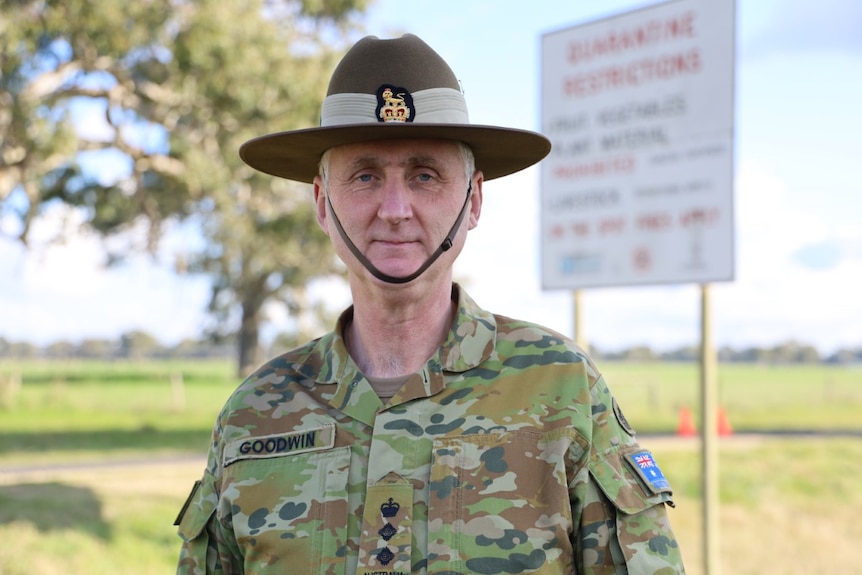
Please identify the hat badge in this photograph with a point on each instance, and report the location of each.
(394, 104)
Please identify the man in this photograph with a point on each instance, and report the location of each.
(423, 434)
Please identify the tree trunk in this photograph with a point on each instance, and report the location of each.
(248, 340)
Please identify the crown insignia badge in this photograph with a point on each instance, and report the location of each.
(390, 509)
(394, 104)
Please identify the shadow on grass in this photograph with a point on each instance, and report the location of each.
(53, 507)
(144, 439)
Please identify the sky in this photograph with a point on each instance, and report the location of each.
(797, 204)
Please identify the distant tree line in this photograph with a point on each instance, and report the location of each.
(790, 352)
(132, 345)
(139, 345)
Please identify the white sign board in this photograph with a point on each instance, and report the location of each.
(638, 188)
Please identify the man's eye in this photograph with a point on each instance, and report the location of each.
(424, 177)
(364, 177)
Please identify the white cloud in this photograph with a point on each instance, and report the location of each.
(63, 291)
(796, 27)
(772, 299)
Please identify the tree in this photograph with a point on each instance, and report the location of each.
(60, 350)
(180, 84)
(138, 345)
(639, 353)
(96, 349)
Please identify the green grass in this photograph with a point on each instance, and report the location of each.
(785, 501)
(80, 409)
(789, 506)
(67, 410)
(94, 523)
(755, 397)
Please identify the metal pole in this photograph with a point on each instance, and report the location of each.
(709, 438)
(578, 320)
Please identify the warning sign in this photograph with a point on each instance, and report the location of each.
(638, 188)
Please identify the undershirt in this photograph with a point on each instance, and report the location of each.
(385, 387)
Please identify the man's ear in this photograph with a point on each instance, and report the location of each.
(476, 200)
(320, 203)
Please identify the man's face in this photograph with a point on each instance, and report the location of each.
(397, 201)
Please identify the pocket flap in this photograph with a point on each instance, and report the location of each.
(631, 479)
(198, 508)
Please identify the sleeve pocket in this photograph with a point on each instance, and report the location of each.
(197, 510)
(631, 479)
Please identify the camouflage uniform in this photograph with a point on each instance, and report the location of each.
(505, 454)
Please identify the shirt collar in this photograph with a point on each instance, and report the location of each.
(470, 342)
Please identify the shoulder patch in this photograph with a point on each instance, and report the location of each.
(624, 423)
(645, 466)
(281, 444)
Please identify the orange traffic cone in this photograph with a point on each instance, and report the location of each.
(686, 424)
(724, 428)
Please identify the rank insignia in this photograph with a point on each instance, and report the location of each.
(387, 532)
(394, 104)
(385, 556)
(390, 508)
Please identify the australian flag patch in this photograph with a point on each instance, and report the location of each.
(648, 469)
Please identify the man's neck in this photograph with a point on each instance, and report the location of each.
(395, 335)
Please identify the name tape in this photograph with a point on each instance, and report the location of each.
(281, 444)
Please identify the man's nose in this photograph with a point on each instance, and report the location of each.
(395, 203)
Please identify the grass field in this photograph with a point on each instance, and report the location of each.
(67, 411)
(755, 397)
(790, 505)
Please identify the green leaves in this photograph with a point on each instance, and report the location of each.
(182, 85)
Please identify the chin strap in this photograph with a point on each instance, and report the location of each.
(447, 243)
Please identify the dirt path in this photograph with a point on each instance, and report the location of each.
(653, 441)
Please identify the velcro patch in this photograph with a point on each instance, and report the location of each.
(645, 466)
(621, 419)
(188, 502)
(281, 444)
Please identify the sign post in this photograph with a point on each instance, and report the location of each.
(638, 188)
(709, 439)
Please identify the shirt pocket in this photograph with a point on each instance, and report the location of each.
(197, 510)
(631, 479)
(498, 503)
(195, 554)
(289, 510)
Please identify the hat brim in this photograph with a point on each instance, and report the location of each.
(295, 155)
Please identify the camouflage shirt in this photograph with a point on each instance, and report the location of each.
(505, 454)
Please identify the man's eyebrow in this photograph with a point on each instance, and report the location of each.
(421, 161)
(365, 161)
(373, 160)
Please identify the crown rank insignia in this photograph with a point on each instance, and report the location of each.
(394, 104)
(390, 509)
